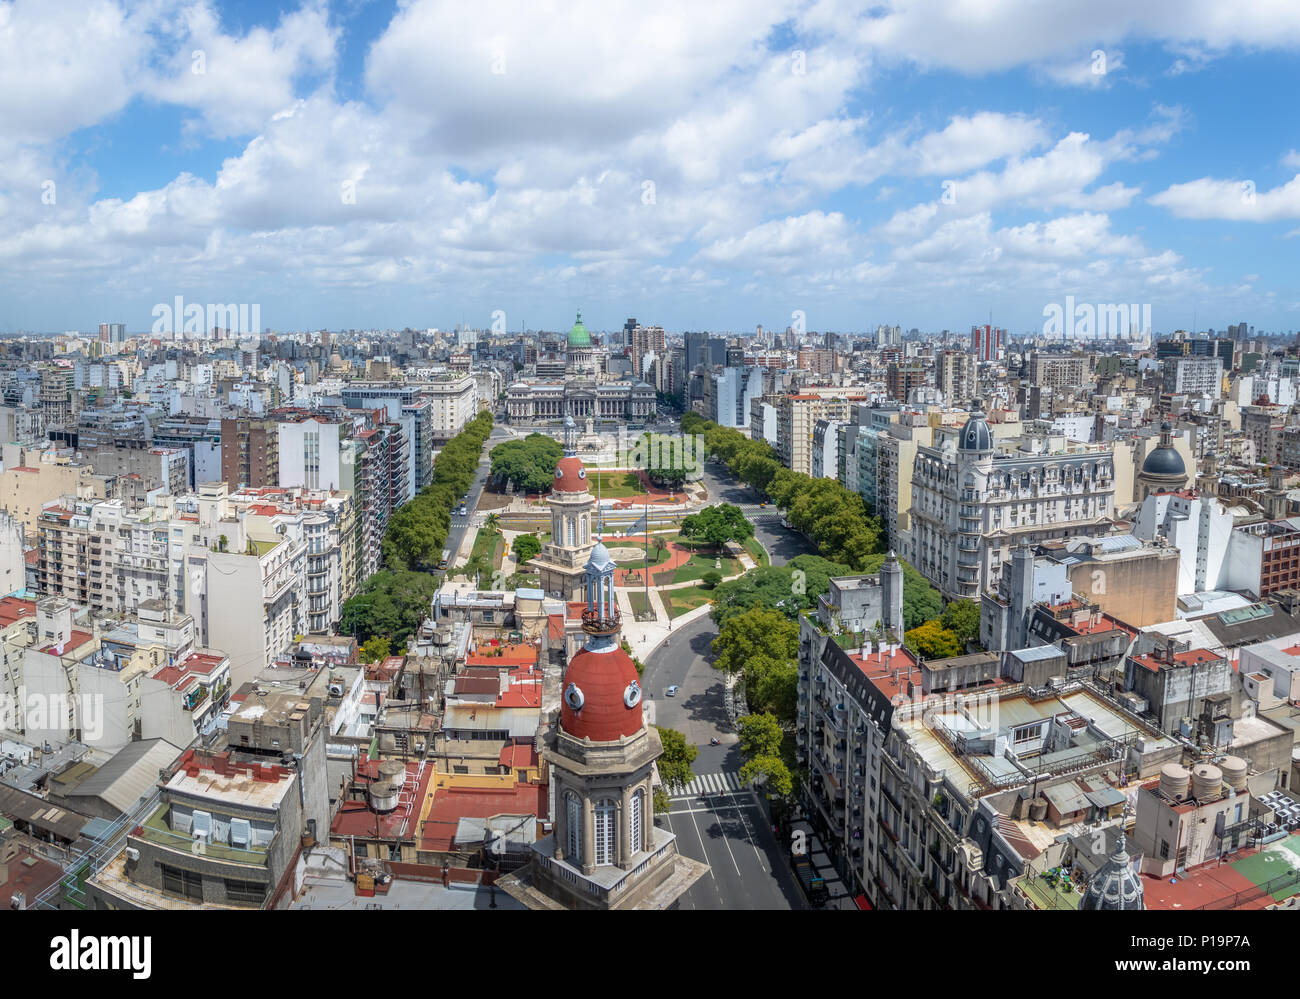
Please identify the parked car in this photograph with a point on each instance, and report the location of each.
(671, 691)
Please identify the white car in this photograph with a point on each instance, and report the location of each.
(671, 691)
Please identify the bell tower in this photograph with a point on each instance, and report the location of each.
(606, 851)
(561, 560)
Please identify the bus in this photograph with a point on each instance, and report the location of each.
(446, 558)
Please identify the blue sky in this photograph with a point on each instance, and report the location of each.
(382, 164)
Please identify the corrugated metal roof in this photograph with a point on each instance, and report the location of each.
(130, 775)
(482, 717)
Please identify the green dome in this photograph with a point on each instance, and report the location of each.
(578, 336)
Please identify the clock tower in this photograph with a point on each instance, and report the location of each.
(605, 852)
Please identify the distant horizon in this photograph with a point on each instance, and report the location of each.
(347, 162)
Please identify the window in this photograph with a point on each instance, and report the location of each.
(634, 823)
(244, 891)
(606, 832)
(187, 884)
(573, 826)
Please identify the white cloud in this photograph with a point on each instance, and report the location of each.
(1233, 200)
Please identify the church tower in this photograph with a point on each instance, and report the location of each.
(606, 851)
(561, 560)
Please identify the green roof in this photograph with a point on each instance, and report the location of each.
(578, 336)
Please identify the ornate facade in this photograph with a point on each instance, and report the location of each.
(562, 559)
(579, 398)
(970, 508)
(606, 851)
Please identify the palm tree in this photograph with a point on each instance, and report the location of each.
(493, 521)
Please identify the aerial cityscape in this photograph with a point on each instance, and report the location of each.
(757, 457)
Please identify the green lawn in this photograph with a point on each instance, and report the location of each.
(639, 601)
(678, 602)
(698, 565)
(485, 557)
(756, 551)
(615, 485)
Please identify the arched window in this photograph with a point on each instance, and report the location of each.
(606, 833)
(634, 823)
(573, 531)
(573, 821)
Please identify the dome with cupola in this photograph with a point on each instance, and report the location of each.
(975, 434)
(578, 335)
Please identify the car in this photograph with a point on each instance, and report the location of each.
(463, 511)
(671, 691)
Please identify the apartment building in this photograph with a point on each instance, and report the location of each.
(796, 420)
(939, 785)
(224, 830)
(972, 506)
(250, 454)
(1058, 371)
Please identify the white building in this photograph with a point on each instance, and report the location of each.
(1200, 527)
(971, 507)
(312, 453)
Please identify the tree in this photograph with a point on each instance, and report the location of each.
(711, 579)
(493, 521)
(526, 547)
(759, 631)
(963, 618)
(675, 764)
(772, 686)
(528, 463)
(760, 735)
(790, 588)
(769, 770)
(392, 603)
(933, 641)
(718, 524)
(376, 649)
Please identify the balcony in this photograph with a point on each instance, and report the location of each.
(156, 831)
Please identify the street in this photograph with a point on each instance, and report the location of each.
(716, 820)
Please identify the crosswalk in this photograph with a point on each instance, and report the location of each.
(720, 783)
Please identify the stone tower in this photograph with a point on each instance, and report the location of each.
(561, 560)
(606, 852)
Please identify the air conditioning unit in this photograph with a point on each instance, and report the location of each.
(336, 690)
(132, 854)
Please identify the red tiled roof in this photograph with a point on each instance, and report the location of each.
(518, 756)
(438, 831)
(1192, 657)
(13, 609)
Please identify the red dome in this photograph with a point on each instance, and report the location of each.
(570, 476)
(604, 679)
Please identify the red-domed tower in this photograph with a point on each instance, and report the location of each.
(606, 851)
(561, 560)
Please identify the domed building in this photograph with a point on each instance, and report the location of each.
(974, 504)
(579, 351)
(1164, 470)
(606, 852)
(1115, 885)
(562, 559)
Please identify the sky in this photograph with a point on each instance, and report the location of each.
(930, 164)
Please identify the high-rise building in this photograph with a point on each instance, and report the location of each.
(986, 342)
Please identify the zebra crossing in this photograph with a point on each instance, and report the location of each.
(720, 783)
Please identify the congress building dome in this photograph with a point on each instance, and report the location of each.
(578, 335)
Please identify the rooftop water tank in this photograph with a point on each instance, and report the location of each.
(1174, 781)
(1234, 772)
(1207, 781)
(383, 796)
